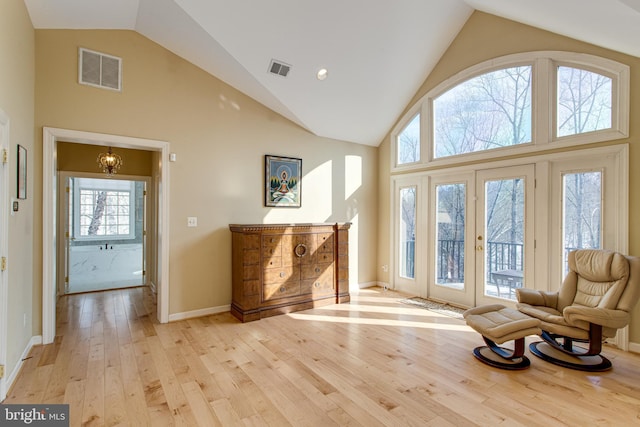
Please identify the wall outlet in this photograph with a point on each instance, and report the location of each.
(385, 268)
(192, 221)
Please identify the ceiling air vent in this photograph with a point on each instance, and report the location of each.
(99, 70)
(279, 68)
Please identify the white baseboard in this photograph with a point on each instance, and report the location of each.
(199, 313)
(6, 385)
(634, 347)
(369, 285)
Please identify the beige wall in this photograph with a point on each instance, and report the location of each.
(482, 38)
(17, 102)
(220, 137)
(83, 158)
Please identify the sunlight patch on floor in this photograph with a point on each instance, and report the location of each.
(381, 322)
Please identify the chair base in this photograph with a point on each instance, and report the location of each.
(502, 358)
(591, 363)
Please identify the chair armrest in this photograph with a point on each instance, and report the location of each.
(534, 297)
(608, 318)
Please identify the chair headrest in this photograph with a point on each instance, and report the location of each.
(599, 265)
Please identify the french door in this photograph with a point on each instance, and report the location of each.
(451, 260)
(504, 240)
(481, 235)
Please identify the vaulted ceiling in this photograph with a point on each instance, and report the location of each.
(377, 52)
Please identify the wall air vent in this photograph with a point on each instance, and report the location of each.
(99, 70)
(279, 68)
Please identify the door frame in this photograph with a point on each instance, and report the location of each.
(527, 171)
(4, 246)
(50, 138)
(63, 225)
(466, 296)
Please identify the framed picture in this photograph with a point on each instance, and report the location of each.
(22, 172)
(283, 181)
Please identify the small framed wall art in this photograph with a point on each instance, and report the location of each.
(22, 172)
(283, 181)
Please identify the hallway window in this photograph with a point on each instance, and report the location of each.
(102, 208)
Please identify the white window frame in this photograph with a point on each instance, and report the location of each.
(543, 104)
(128, 186)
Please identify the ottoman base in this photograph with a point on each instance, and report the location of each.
(503, 358)
(498, 324)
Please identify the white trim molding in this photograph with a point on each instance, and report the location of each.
(4, 246)
(199, 313)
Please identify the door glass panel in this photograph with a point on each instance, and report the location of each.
(407, 232)
(450, 232)
(504, 232)
(582, 212)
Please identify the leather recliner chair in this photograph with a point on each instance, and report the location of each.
(595, 300)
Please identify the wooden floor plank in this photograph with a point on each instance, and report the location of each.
(372, 362)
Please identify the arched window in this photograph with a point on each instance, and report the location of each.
(408, 142)
(489, 111)
(516, 104)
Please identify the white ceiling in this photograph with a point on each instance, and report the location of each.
(378, 52)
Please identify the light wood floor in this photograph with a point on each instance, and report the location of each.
(372, 362)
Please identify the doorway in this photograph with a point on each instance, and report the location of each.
(160, 180)
(105, 233)
(480, 239)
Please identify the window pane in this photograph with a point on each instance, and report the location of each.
(582, 211)
(489, 111)
(450, 229)
(504, 251)
(104, 213)
(407, 232)
(584, 101)
(409, 142)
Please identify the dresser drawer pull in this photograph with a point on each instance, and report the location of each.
(317, 270)
(300, 250)
(282, 289)
(282, 274)
(317, 284)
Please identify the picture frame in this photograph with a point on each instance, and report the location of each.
(282, 181)
(22, 172)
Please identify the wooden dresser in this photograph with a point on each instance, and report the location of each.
(280, 268)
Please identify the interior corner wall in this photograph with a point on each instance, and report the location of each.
(17, 101)
(485, 37)
(220, 137)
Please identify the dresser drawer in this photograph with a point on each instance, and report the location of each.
(325, 242)
(280, 290)
(317, 270)
(280, 275)
(272, 262)
(318, 286)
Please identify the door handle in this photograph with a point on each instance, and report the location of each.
(479, 248)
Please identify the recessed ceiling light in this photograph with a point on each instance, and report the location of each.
(322, 73)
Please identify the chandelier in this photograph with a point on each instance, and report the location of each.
(109, 162)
